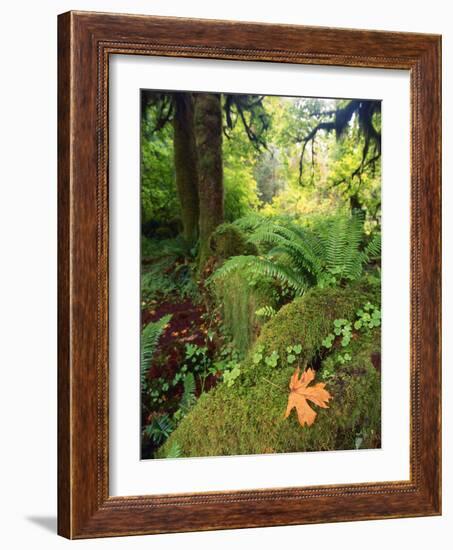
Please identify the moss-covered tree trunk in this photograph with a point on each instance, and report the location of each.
(185, 157)
(208, 134)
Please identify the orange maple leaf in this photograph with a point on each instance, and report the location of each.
(300, 392)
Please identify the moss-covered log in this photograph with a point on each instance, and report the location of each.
(247, 418)
(185, 157)
(228, 240)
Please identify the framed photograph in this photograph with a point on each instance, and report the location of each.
(249, 275)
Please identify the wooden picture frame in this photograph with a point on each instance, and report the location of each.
(85, 42)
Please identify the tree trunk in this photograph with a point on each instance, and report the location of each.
(208, 133)
(185, 157)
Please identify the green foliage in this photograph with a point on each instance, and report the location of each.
(231, 374)
(228, 240)
(271, 360)
(160, 429)
(167, 272)
(368, 317)
(247, 418)
(342, 239)
(155, 284)
(240, 193)
(328, 340)
(328, 254)
(373, 248)
(239, 157)
(266, 311)
(149, 339)
(197, 361)
(292, 353)
(158, 193)
(170, 250)
(253, 175)
(257, 356)
(188, 398)
(295, 283)
(239, 302)
(364, 188)
(269, 174)
(260, 266)
(227, 365)
(174, 451)
(342, 359)
(306, 322)
(342, 329)
(246, 300)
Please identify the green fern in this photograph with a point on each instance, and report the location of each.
(266, 267)
(149, 339)
(373, 248)
(160, 429)
(250, 222)
(188, 397)
(266, 311)
(329, 253)
(174, 451)
(298, 246)
(341, 237)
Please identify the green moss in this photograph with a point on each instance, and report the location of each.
(228, 240)
(238, 309)
(309, 319)
(238, 299)
(247, 418)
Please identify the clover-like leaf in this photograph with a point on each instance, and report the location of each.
(272, 359)
(297, 349)
(257, 357)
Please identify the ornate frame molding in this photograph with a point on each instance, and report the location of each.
(86, 40)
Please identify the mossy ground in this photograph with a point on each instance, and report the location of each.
(247, 418)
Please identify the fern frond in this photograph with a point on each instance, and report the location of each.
(263, 266)
(159, 429)
(373, 249)
(250, 222)
(175, 451)
(149, 339)
(266, 312)
(298, 249)
(299, 257)
(188, 398)
(342, 237)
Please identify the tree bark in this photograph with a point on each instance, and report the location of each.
(208, 134)
(185, 157)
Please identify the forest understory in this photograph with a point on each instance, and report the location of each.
(260, 275)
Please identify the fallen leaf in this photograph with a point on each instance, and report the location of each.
(301, 392)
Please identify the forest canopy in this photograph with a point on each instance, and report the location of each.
(279, 154)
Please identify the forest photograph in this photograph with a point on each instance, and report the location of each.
(260, 274)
